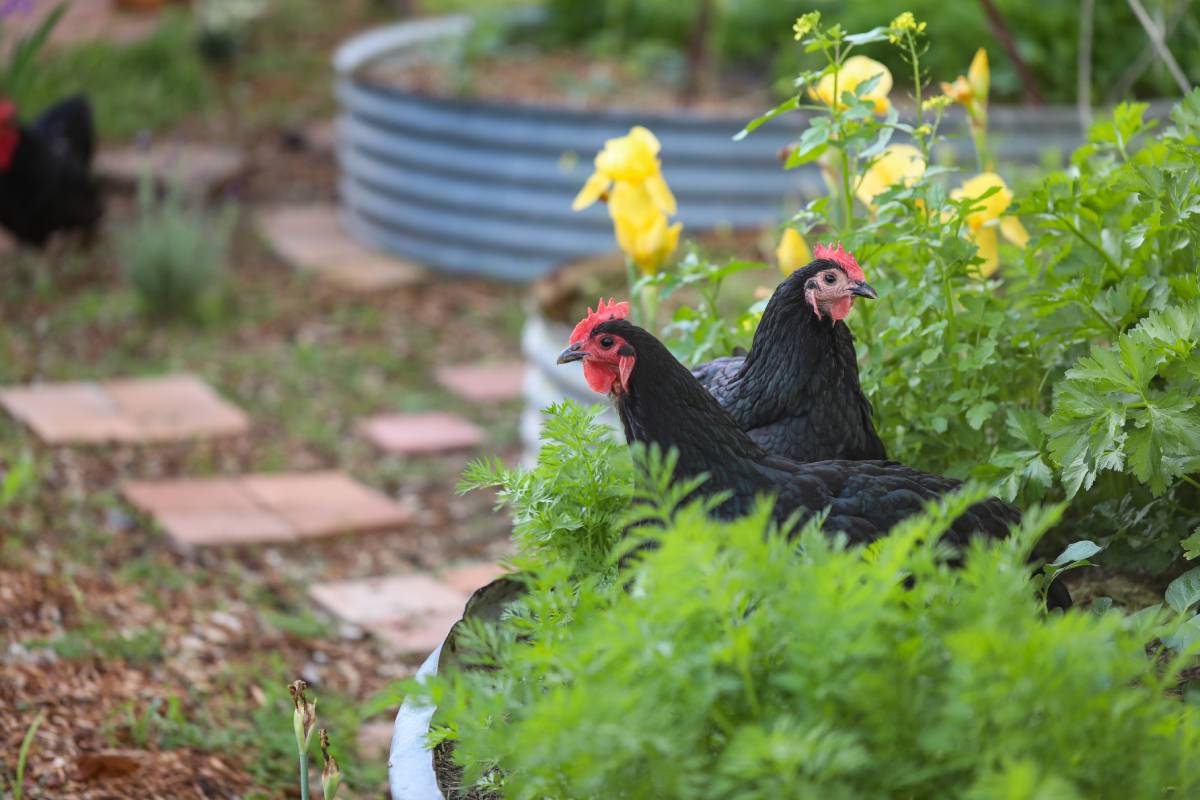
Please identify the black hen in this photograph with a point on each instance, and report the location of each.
(45, 172)
(660, 402)
(797, 392)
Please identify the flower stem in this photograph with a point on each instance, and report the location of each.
(635, 301)
(304, 776)
(846, 193)
(916, 65)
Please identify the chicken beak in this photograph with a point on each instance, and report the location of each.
(863, 289)
(572, 353)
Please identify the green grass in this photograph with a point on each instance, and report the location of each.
(145, 86)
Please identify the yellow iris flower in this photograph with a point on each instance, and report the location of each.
(856, 70)
(629, 174)
(793, 252)
(897, 164)
(641, 227)
(972, 90)
(632, 158)
(984, 223)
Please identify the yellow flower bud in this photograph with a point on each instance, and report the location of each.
(793, 252)
(806, 24)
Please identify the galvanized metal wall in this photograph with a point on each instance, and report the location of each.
(484, 188)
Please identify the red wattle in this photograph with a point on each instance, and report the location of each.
(600, 377)
(840, 308)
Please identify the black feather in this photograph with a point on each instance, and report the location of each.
(48, 185)
(664, 404)
(797, 392)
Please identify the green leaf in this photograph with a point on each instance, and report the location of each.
(811, 145)
(867, 37)
(787, 105)
(1191, 545)
(1184, 591)
(1185, 635)
(980, 414)
(1077, 551)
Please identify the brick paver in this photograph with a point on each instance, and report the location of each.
(258, 509)
(201, 170)
(137, 411)
(417, 434)
(411, 612)
(469, 577)
(484, 383)
(323, 503)
(311, 239)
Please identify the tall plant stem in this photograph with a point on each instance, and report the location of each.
(304, 776)
(844, 156)
(916, 65)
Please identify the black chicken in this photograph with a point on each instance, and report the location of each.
(796, 393)
(660, 402)
(45, 172)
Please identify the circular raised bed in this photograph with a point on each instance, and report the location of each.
(485, 188)
(410, 761)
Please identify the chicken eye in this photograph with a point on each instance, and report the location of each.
(829, 277)
(606, 342)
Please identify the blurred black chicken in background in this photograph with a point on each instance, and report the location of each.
(46, 182)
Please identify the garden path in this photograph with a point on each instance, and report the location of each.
(310, 239)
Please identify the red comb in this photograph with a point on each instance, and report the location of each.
(10, 133)
(603, 313)
(847, 262)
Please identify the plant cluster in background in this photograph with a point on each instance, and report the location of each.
(1047, 37)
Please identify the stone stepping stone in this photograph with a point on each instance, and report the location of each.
(309, 238)
(411, 612)
(263, 509)
(490, 382)
(137, 411)
(202, 170)
(421, 434)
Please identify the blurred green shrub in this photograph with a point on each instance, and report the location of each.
(173, 255)
(142, 86)
(1046, 35)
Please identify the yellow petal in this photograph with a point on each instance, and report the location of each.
(632, 203)
(627, 236)
(897, 164)
(854, 71)
(991, 208)
(650, 243)
(979, 75)
(645, 138)
(989, 248)
(660, 194)
(793, 252)
(959, 91)
(1014, 231)
(633, 157)
(592, 191)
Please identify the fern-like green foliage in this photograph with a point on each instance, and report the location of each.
(567, 508)
(732, 662)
